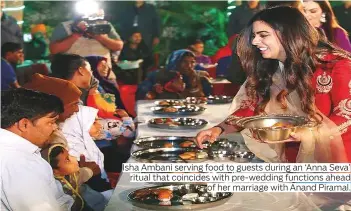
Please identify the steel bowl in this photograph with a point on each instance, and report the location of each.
(243, 157)
(261, 126)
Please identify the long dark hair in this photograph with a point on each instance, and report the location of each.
(331, 23)
(299, 40)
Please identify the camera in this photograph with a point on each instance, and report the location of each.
(91, 20)
(87, 26)
(98, 27)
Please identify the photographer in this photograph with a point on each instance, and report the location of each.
(85, 37)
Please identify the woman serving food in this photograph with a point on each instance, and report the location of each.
(291, 71)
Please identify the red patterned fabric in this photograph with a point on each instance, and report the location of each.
(332, 83)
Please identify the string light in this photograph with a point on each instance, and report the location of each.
(230, 7)
(20, 22)
(13, 8)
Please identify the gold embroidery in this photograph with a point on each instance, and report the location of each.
(324, 83)
(344, 108)
(344, 126)
(247, 104)
(231, 120)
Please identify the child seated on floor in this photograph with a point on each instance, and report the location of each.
(66, 170)
(169, 85)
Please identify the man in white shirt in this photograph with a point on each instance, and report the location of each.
(28, 118)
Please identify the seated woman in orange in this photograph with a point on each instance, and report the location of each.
(291, 71)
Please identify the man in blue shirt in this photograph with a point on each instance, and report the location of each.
(12, 53)
(8, 76)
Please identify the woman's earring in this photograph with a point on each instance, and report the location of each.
(323, 20)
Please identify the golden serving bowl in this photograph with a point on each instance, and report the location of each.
(262, 127)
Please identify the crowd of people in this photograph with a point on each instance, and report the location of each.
(69, 131)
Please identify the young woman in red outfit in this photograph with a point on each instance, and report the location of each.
(292, 71)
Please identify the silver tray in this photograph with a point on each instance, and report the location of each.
(178, 123)
(181, 142)
(178, 110)
(212, 99)
(166, 155)
(164, 142)
(225, 150)
(219, 99)
(148, 197)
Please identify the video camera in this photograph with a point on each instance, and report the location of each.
(92, 21)
(95, 27)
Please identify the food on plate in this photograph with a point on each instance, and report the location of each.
(188, 155)
(193, 155)
(185, 156)
(170, 109)
(201, 155)
(178, 103)
(159, 121)
(155, 191)
(168, 145)
(164, 103)
(282, 125)
(186, 144)
(141, 194)
(165, 195)
(204, 99)
(196, 100)
(168, 120)
(171, 103)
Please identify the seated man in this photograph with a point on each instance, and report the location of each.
(28, 118)
(77, 70)
(135, 49)
(70, 94)
(12, 53)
